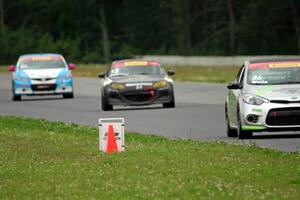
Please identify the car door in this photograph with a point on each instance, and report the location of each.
(233, 95)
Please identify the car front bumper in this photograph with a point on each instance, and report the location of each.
(270, 117)
(42, 88)
(132, 97)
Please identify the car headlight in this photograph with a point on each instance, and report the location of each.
(117, 86)
(254, 100)
(22, 79)
(160, 84)
(64, 78)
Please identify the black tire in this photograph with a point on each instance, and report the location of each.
(170, 104)
(15, 97)
(231, 132)
(68, 95)
(105, 106)
(242, 134)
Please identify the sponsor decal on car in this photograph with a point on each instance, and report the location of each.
(40, 58)
(134, 64)
(257, 79)
(282, 65)
(274, 65)
(257, 110)
(135, 84)
(253, 127)
(264, 90)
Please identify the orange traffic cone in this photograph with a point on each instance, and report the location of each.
(111, 141)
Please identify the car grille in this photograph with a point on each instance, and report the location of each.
(283, 101)
(43, 87)
(138, 97)
(283, 117)
(42, 79)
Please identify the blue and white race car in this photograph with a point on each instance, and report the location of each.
(41, 74)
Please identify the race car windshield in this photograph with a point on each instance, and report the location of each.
(273, 76)
(42, 64)
(136, 70)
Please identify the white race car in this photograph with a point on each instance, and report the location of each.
(264, 97)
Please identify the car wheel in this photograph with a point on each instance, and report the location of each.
(105, 106)
(15, 97)
(231, 132)
(68, 95)
(242, 134)
(170, 104)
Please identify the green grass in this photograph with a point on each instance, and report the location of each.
(3, 69)
(183, 73)
(46, 160)
(204, 74)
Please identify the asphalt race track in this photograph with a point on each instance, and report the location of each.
(199, 113)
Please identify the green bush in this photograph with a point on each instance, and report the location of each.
(15, 43)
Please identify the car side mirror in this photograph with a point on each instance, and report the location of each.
(171, 72)
(102, 75)
(11, 68)
(234, 86)
(72, 66)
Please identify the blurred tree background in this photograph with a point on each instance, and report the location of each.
(102, 30)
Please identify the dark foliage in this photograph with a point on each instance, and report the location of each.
(76, 28)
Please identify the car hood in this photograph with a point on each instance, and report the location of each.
(277, 92)
(138, 78)
(43, 73)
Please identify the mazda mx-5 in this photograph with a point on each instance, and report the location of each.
(136, 83)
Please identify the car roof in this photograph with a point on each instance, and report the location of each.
(123, 61)
(133, 59)
(40, 54)
(279, 59)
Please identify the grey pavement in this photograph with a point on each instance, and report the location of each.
(199, 113)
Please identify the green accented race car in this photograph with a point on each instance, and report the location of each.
(136, 83)
(264, 97)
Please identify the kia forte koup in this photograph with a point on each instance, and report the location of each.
(264, 97)
(136, 83)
